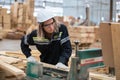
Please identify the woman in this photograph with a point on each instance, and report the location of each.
(51, 39)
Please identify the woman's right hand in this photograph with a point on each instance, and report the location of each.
(31, 59)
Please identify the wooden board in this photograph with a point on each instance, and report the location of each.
(20, 55)
(11, 69)
(53, 67)
(96, 76)
(111, 46)
(115, 28)
(15, 54)
(107, 46)
(9, 60)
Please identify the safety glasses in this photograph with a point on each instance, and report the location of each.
(47, 25)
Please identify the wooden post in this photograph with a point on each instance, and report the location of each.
(110, 33)
(115, 28)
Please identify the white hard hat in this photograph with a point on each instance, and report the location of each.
(44, 15)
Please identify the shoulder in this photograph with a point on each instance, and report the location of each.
(62, 27)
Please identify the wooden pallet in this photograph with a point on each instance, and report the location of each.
(11, 72)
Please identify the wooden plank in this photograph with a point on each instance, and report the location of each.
(96, 76)
(20, 55)
(53, 67)
(107, 46)
(110, 46)
(13, 70)
(17, 54)
(115, 29)
(9, 60)
(20, 65)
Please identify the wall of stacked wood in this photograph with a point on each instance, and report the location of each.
(22, 14)
(21, 18)
(13, 64)
(86, 35)
(15, 24)
(5, 21)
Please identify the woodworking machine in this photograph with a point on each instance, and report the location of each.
(80, 63)
(43, 71)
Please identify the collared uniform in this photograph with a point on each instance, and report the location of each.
(57, 50)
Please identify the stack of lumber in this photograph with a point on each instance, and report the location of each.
(59, 19)
(86, 35)
(12, 59)
(22, 15)
(6, 23)
(14, 34)
(13, 64)
(5, 19)
(31, 28)
(20, 55)
(30, 9)
(10, 72)
(9, 60)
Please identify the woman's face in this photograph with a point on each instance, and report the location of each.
(48, 26)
